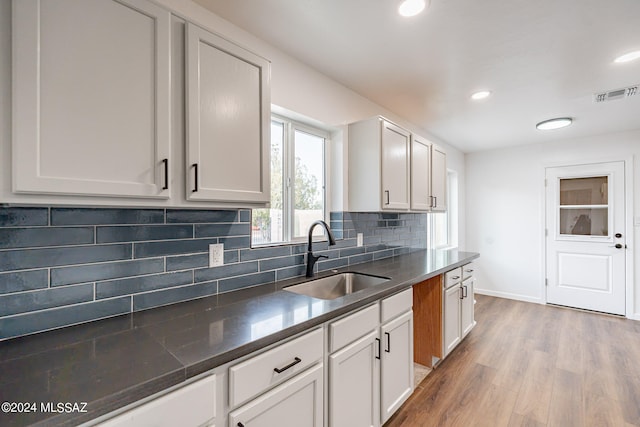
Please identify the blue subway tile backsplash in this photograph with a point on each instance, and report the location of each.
(63, 266)
(17, 217)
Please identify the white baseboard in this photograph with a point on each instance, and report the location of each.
(508, 295)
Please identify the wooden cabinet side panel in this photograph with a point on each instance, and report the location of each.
(427, 324)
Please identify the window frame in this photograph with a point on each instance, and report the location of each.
(290, 127)
(452, 189)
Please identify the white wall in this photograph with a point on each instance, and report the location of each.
(505, 199)
(294, 86)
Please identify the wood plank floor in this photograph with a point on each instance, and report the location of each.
(533, 365)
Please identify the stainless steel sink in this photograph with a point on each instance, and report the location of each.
(336, 286)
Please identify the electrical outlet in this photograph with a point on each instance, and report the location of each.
(359, 239)
(216, 255)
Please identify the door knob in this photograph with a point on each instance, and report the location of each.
(617, 246)
(618, 235)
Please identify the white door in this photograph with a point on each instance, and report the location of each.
(586, 236)
(354, 395)
(296, 403)
(396, 377)
(395, 167)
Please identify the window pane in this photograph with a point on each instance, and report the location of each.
(440, 229)
(267, 224)
(584, 222)
(584, 191)
(308, 182)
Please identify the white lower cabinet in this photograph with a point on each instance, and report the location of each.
(370, 378)
(191, 406)
(467, 321)
(296, 403)
(369, 356)
(353, 383)
(457, 306)
(451, 313)
(396, 380)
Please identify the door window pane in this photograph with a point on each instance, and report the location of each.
(584, 191)
(308, 182)
(584, 209)
(584, 222)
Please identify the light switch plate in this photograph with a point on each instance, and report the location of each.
(216, 255)
(359, 239)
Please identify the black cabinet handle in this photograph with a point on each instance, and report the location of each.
(435, 202)
(388, 349)
(461, 292)
(195, 168)
(378, 355)
(296, 360)
(465, 291)
(166, 174)
(240, 425)
(388, 197)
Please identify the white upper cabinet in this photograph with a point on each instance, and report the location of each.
(420, 174)
(91, 107)
(379, 162)
(438, 179)
(228, 120)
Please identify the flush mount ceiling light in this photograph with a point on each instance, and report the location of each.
(481, 95)
(628, 57)
(411, 7)
(554, 123)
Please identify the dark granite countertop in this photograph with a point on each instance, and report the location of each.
(113, 362)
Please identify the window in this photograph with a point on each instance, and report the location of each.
(443, 226)
(297, 184)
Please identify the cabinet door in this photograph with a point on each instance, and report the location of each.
(420, 174)
(438, 179)
(296, 403)
(466, 314)
(451, 324)
(91, 85)
(354, 380)
(395, 167)
(228, 120)
(396, 377)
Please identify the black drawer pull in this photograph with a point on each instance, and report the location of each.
(296, 360)
(388, 349)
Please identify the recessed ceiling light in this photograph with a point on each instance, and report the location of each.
(627, 57)
(554, 123)
(480, 95)
(411, 7)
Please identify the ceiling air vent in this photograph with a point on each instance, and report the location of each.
(616, 94)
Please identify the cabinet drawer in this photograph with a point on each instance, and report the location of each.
(349, 329)
(452, 277)
(467, 270)
(255, 375)
(191, 405)
(396, 305)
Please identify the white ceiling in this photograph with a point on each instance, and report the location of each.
(541, 59)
